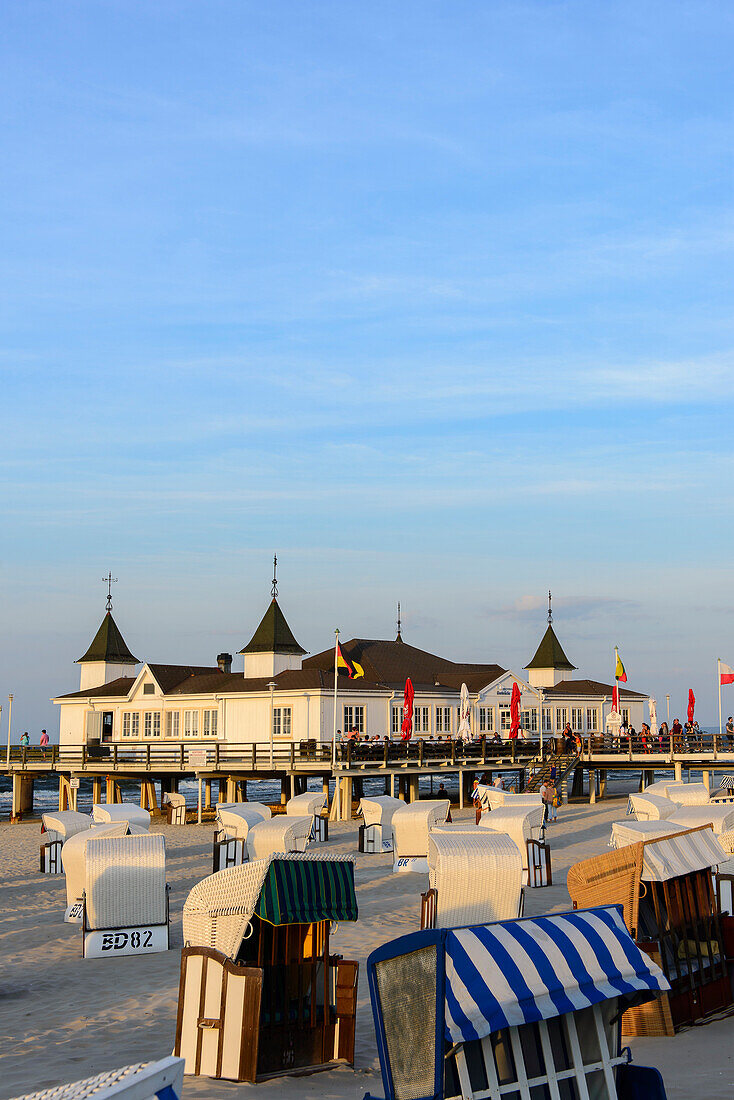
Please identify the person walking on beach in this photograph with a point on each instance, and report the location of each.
(43, 742)
(544, 793)
(552, 797)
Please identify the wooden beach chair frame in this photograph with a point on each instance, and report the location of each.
(162, 1079)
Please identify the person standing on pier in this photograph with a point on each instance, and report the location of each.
(730, 732)
(25, 740)
(43, 742)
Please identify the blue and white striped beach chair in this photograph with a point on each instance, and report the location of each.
(527, 1008)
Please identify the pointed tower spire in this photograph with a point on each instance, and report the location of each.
(274, 588)
(550, 664)
(109, 580)
(400, 636)
(550, 608)
(272, 648)
(108, 656)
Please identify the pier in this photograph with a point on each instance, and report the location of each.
(227, 768)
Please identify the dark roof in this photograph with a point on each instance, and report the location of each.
(273, 634)
(390, 664)
(170, 676)
(291, 679)
(549, 653)
(590, 687)
(108, 645)
(118, 688)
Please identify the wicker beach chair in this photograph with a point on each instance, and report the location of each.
(125, 896)
(233, 822)
(105, 813)
(162, 1080)
(411, 824)
(632, 831)
(523, 823)
(175, 806)
(375, 835)
(720, 817)
(280, 834)
(260, 993)
(650, 807)
(689, 794)
(512, 1010)
(73, 859)
(475, 876)
(310, 804)
(56, 828)
(492, 798)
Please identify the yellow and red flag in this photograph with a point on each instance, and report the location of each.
(353, 670)
(619, 672)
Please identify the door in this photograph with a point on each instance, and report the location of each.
(106, 727)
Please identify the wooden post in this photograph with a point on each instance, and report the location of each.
(706, 777)
(325, 789)
(346, 802)
(392, 784)
(22, 796)
(461, 789)
(293, 783)
(602, 782)
(592, 787)
(223, 788)
(96, 789)
(207, 794)
(678, 768)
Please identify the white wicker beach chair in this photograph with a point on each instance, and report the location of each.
(280, 834)
(375, 835)
(521, 823)
(689, 794)
(411, 825)
(145, 1081)
(125, 896)
(492, 798)
(660, 787)
(56, 828)
(107, 812)
(310, 804)
(633, 831)
(650, 807)
(175, 805)
(476, 875)
(720, 816)
(233, 822)
(73, 859)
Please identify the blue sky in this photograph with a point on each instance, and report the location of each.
(433, 299)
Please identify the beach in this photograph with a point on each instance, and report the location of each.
(63, 1018)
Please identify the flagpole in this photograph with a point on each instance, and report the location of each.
(718, 668)
(337, 797)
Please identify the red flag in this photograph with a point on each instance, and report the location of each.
(514, 711)
(407, 726)
(691, 704)
(615, 699)
(726, 674)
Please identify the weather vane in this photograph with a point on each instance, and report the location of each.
(274, 589)
(399, 635)
(550, 609)
(109, 580)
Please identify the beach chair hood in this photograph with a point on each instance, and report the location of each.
(305, 805)
(104, 813)
(689, 794)
(66, 823)
(652, 807)
(280, 834)
(379, 809)
(720, 817)
(477, 875)
(237, 819)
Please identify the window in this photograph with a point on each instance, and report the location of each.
(529, 721)
(126, 725)
(354, 719)
(172, 723)
(577, 719)
(443, 719)
(505, 718)
(152, 723)
(420, 719)
(282, 721)
(397, 719)
(561, 718)
(210, 723)
(486, 719)
(592, 719)
(135, 724)
(191, 723)
(625, 716)
(148, 689)
(547, 721)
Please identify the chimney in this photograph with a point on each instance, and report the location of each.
(224, 660)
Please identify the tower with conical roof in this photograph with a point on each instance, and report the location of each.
(108, 657)
(550, 664)
(272, 648)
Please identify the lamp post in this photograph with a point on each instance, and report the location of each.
(272, 685)
(667, 700)
(10, 718)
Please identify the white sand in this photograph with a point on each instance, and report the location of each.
(62, 1018)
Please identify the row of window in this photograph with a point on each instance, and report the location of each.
(186, 723)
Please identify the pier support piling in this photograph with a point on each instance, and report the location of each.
(22, 796)
(678, 768)
(96, 790)
(207, 794)
(113, 793)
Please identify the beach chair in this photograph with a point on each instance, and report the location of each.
(411, 824)
(175, 806)
(162, 1080)
(233, 822)
(310, 805)
(56, 828)
(125, 903)
(719, 816)
(375, 834)
(689, 794)
(512, 1011)
(475, 876)
(666, 888)
(725, 792)
(73, 860)
(260, 992)
(492, 797)
(525, 824)
(105, 813)
(632, 831)
(650, 807)
(280, 834)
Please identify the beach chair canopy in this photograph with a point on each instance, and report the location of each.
(125, 880)
(296, 889)
(651, 807)
(305, 805)
(411, 824)
(669, 857)
(121, 811)
(173, 798)
(73, 854)
(145, 1079)
(521, 823)
(63, 824)
(238, 818)
(477, 875)
(660, 787)
(279, 834)
(720, 817)
(726, 783)
(689, 794)
(379, 809)
(436, 988)
(495, 797)
(631, 831)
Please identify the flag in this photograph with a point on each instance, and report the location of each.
(691, 704)
(726, 674)
(615, 699)
(514, 711)
(619, 673)
(354, 671)
(407, 726)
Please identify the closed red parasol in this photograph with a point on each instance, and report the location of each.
(514, 711)
(691, 704)
(407, 725)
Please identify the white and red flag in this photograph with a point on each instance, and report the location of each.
(726, 674)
